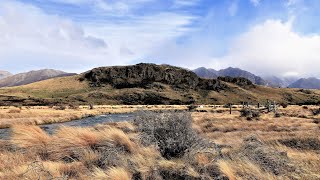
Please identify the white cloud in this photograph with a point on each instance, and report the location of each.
(274, 48)
(30, 38)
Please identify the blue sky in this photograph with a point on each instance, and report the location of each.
(266, 37)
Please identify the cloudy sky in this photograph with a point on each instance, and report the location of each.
(278, 37)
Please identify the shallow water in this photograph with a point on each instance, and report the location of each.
(90, 121)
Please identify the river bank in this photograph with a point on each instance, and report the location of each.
(40, 115)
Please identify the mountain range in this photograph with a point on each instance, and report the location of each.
(30, 77)
(306, 83)
(7, 79)
(231, 72)
(149, 84)
(271, 81)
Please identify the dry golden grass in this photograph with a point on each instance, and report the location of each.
(45, 115)
(114, 151)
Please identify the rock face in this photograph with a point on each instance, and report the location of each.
(31, 77)
(242, 82)
(231, 72)
(142, 75)
(4, 74)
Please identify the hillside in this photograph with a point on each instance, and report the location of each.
(232, 72)
(31, 77)
(306, 83)
(148, 84)
(4, 74)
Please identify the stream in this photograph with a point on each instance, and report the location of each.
(86, 122)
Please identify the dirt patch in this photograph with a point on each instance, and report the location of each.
(302, 144)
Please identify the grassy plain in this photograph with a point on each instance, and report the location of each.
(286, 146)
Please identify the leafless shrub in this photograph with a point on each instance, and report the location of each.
(284, 105)
(192, 107)
(171, 132)
(277, 115)
(315, 111)
(61, 107)
(249, 113)
(72, 106)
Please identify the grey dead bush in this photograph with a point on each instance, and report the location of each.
(315, 111)
(249, 113)
(171, 132)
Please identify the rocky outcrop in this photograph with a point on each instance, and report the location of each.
(242, 82)
(142, 75)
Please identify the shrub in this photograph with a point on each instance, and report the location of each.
(192, 107)
(171, 132)
(72, 106)
(61, 107)
(249, 113)
(277, 115)
(284, 105)
(315, 111)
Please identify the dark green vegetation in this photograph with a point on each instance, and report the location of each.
(149, 84)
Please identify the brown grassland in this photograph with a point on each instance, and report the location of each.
(38, 115)
(211, 144)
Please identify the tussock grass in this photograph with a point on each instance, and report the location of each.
(281, 148)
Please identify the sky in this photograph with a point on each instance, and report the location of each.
(265, 37)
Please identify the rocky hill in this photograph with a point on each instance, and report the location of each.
(143, 75)
(4, 74)
(148, 84)
(231, 72)
(31, 77)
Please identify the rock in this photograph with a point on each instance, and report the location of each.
(242, 82)
(142, 75)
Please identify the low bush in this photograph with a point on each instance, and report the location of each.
(249, 113)
(315, 111)
(284, 105)
(277, 115)
(172, 133)
(61, 107)
(192, 107)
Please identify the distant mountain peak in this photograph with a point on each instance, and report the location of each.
(4, 74)
(31, 77)
(306, 83)
(231, 72)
